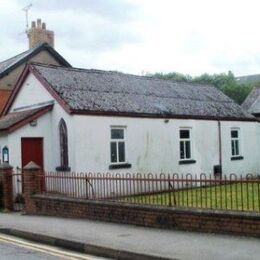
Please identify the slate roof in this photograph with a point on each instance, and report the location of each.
(250, 103)
(107, 92)
(9, 64)
(248, 79)
(11, 119)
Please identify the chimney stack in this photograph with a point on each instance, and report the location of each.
(38, 34)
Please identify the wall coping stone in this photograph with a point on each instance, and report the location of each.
(31, 166)
(5, 166)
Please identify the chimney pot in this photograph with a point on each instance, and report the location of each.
(39, 23)
(39, 34)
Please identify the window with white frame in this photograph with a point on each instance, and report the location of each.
(235, 143)
(185, 144)
(117, 145)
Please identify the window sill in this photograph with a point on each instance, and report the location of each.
(237, 158)
(63, 169)
(120, 166)
(187, 161)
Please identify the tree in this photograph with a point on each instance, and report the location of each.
(172, 76)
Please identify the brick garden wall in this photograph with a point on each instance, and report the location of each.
(239, 223)
(1, 191)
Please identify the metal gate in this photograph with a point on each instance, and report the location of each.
(18, 198)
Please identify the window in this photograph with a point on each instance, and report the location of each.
(64, 158)
(185, 144)
(117, 145)
(5, 153)
(235, 143)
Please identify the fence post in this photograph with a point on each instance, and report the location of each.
(31, 185)
(6, 171)
(169, 191)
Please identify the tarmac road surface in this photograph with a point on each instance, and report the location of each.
(12, 248)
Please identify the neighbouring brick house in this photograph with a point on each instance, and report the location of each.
(41, 49)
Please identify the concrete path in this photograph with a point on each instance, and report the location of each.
(169, 244)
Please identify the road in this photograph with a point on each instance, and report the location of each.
(12, 248)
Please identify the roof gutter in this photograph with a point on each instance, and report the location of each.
(163, 116)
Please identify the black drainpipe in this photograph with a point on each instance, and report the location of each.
(220, 148)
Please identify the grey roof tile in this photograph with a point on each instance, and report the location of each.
(10, 62)
(250, 103)
(248, 79)
(106, 91)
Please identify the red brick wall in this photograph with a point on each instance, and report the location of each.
(1, 191)
(239, 223)
(6, 195)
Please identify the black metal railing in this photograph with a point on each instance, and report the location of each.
(229, 192)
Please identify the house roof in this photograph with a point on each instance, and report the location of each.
(98, 92)
(12, 63)
(250, 103)
(15, 120)
(248, 79)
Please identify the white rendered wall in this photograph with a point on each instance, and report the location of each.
(42, 130)
(249, 145)
(153, 145)
(32, 92)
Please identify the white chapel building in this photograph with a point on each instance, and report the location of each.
(68, 119)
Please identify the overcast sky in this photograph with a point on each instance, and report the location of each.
(138, 36)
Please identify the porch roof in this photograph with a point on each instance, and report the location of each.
(16, 120)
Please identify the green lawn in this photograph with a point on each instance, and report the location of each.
(232, 197)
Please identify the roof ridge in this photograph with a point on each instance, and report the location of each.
(14, 56)
(250, 75)
(124, 74)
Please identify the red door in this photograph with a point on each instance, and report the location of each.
(32, 150)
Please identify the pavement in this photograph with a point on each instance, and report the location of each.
(126, 239)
